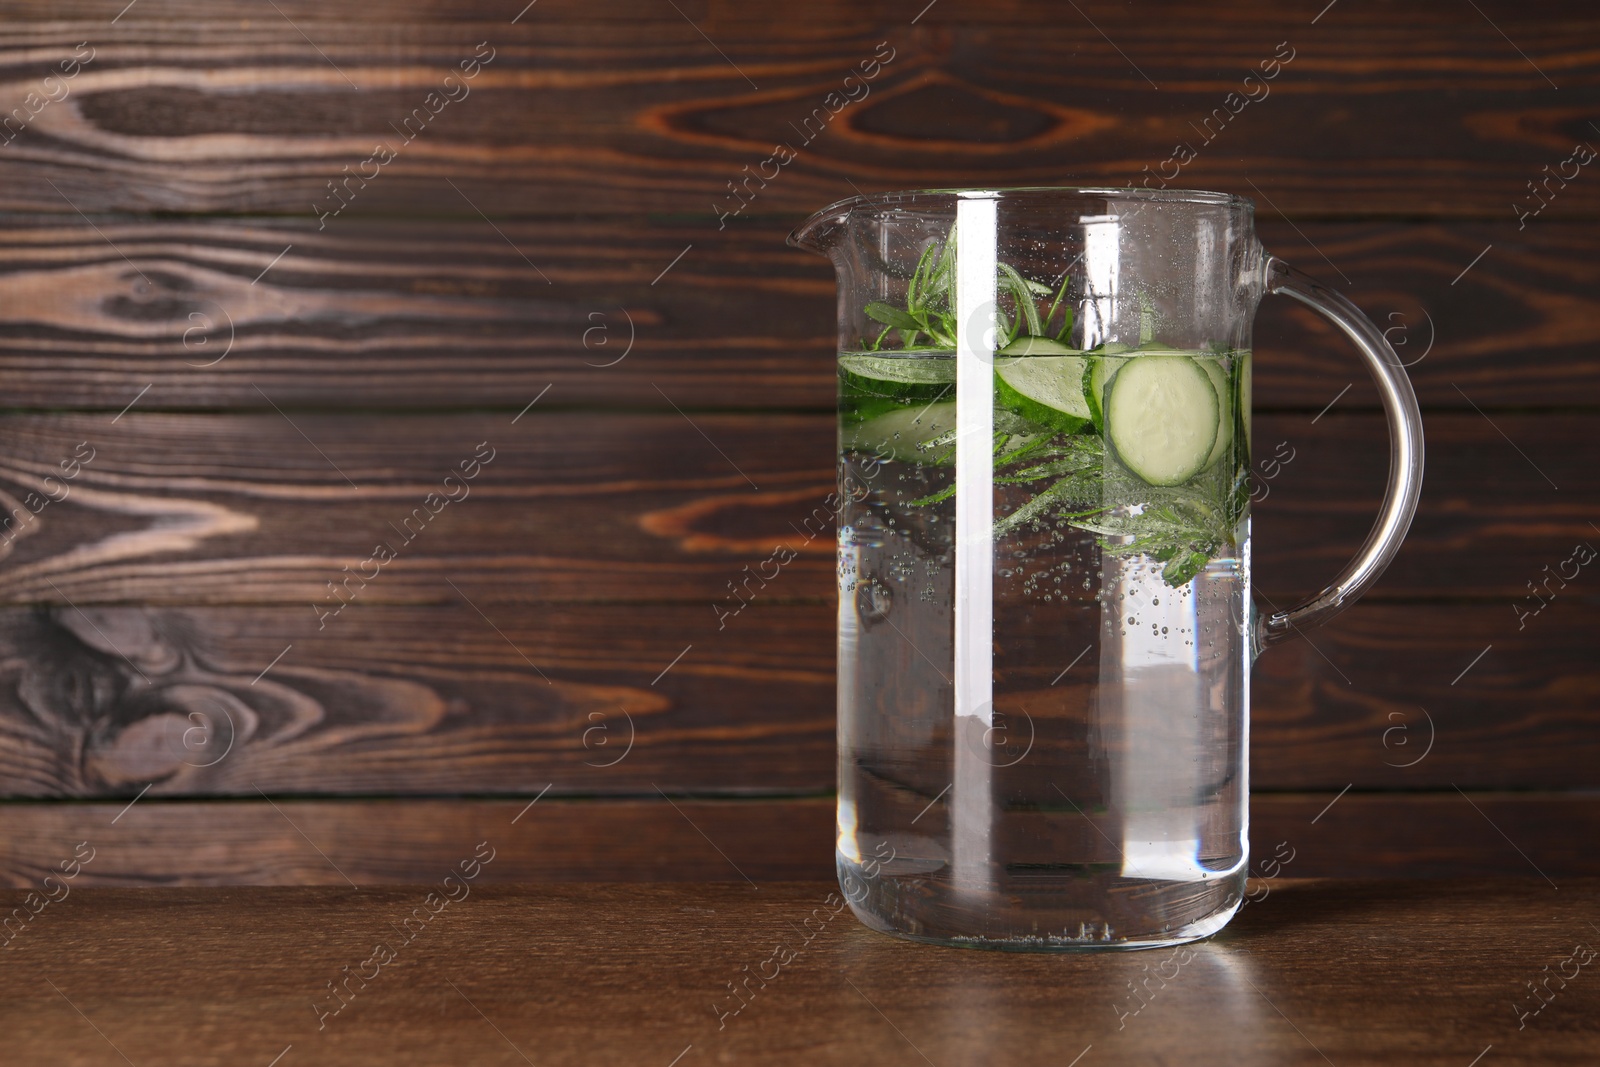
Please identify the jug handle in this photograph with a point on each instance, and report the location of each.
(1405, 454)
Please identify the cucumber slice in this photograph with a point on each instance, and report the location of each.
(1224, 388)
(1100, 370)
(1044, 385)
(914, 370)
(1242, 360)
(1155, 348)
(1037, 346)
(900, 434)
(1161, 418)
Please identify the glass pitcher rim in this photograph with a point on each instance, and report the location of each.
(890, 198)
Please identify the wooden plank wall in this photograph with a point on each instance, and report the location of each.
(249, 389)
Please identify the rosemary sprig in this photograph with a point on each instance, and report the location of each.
(1183, 528)
(930, 301)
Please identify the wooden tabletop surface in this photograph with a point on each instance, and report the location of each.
(1309, 973)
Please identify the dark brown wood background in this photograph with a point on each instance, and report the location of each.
(264, 396)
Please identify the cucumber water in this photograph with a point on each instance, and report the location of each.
(1119, 503)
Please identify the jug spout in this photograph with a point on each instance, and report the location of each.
(921, 214)
(823, 231)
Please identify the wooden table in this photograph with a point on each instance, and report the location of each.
(1311, 973)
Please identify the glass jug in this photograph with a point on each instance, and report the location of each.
(1045, 620)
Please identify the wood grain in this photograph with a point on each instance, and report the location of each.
(1397, 697)
(393, 841)
(854, 18)
(1434, 972)
(1371, 117)
(400, 841)
(267, 394)
(433, 314)
(407, 701)
(579, 506)
(601, 699)
(1531, 835)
